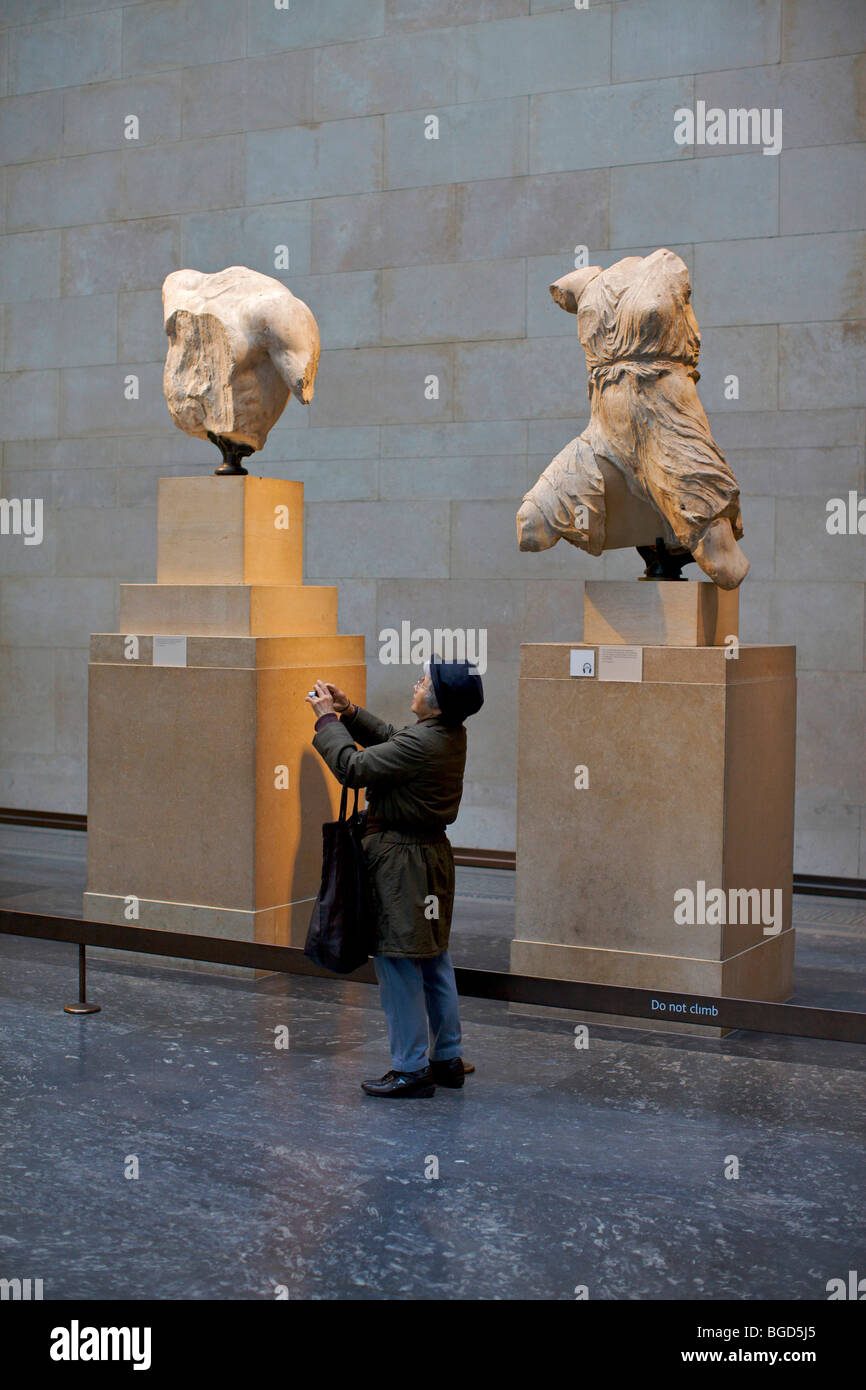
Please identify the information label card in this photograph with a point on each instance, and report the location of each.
(169, 651)
(620, 663)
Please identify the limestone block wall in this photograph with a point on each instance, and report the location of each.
(294, 140)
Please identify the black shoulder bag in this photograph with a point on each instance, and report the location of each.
(340, 936)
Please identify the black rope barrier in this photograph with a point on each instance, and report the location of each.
(698, 1010)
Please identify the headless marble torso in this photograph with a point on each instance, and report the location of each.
(239, 344)
(646, 470)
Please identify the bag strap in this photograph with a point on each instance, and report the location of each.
(344, 803)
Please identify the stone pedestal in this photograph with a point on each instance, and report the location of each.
(666, 613)
(689, 774)
(205, 796)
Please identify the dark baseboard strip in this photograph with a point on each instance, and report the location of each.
(793, 1020)
(825, 886)
(485, 858)
(820, 885)
(46, 820)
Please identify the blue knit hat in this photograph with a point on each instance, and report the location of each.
(457, 686)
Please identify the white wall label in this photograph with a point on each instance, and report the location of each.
(581, 663)
(620, 663)
(169, 651)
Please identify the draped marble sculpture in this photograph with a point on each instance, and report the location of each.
(646, 470)
(239, 344)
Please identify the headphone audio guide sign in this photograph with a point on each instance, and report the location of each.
(581, 663)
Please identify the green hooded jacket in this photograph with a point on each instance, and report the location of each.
(414, 781)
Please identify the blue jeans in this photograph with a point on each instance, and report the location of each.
(413, 992)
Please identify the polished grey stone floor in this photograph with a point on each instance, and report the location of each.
(261, 1168)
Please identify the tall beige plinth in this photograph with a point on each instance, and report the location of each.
(690, 773)
(668, 613)
(205, 796)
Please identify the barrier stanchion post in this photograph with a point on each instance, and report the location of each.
(81, 1005)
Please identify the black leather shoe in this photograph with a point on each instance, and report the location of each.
(451, 1073)
(402, 1085)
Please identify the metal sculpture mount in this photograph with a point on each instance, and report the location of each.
(662, 563)
(239, 344)
(646, 471)
(232, 453)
